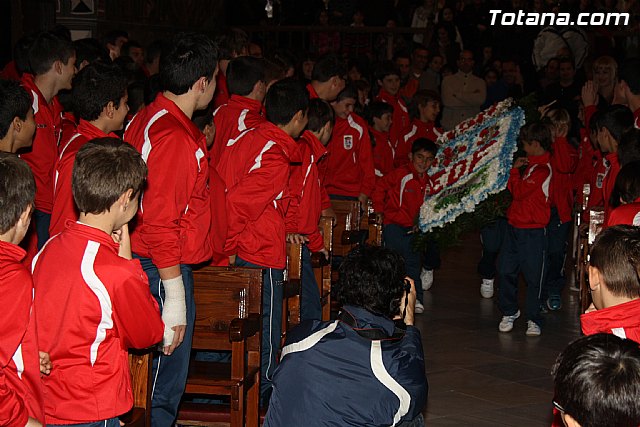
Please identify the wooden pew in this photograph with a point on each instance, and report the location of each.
(322, 267)
(292, 288)
(140, 368)
(372, 222)
(588, 236)
(347, 232)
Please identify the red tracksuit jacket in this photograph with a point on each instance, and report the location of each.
(609, 180)
(222, 91)
(400, 194)
(350, 169)
(417, 129)
(384, 152)
(175, 212)
(231, 119)
(89, 314)
(564, 160)
(64, 207)
(307, 190)
(255, 172)
(400, 119)
(44, 151)
(20, 387)
(625, 214)
(531, 205)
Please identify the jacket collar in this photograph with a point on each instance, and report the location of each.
(367, 320)
(11, 252)
(162, 102)
(92, 233)
(90, 131)
(243, 102)
(317, 149)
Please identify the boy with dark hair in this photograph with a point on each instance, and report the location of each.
(21, 400)
(424, 111)
(399, 196)
(17, 124)
(175, 215)
(388, 78)
(52, 62)
(384, 151)
(255, 172)
(135, 51)
(100, 102)
(327, 78)
(97, 307)
(114, 40)
(525, 242)
(233, 43)
(627, 190)
(152, 54)
(89, 51)
(597, 382)
(308, 191)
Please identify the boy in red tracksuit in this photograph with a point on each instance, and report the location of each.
(52, 61)
(233, 43)
(388, 78)
(399, 196)
(21, 399)
(424, 111)
(525, 242)
(100, 101)
(172, 226)
(327, 78)
(93, 310)
(17, 125)
(350, 173)
(564, 159)
(384, 151)
(627, 188)
(255, 172)
(243, 110)
(305, 210)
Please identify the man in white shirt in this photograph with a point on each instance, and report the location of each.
(462, 93)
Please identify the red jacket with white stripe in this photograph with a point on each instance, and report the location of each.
(609, 180)
(622, 320)
(564, 160)
(89, 314)
(255, 172)
(64, 207)
(384, 152)
(628, 214)
(44, 151)
(350, 169)
(400, 194)
(306, 189)
(231, 119)
(400, 118)
(531, 204)
(20, 387)
(417, 129)
(175, 212)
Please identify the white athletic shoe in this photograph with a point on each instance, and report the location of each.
(506, 325)
(533, 330)
(419, 308)
(486, 288)
(426, 277)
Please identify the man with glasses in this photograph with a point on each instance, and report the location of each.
(462, 93)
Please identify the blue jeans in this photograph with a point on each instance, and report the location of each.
(169, 373)
(272, 294)
(310, 306)
(558, 233)
(112, 422)
(523, 249)
(491, 237)
(396, 238)
(42, 220)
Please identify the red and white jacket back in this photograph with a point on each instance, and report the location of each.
(174, 218)
(384, 152)
(531, 204)
(89, 314)
(417, 129)
(628, 214)
(400, 118)
(612, 169)
(564, 160)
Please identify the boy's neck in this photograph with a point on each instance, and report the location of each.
(103, 221)
(103, 124)
(6, 143)
(184, 102)
(10, 236)
(288, 129)
(610, 300)
(46, 84)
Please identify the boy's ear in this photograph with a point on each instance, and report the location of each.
(25, 217)
(125, 199)
(110, 109)
(595, 278)
(58, 66)
(17, 124)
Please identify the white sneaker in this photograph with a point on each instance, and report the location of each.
(533, 330)
(419, 309)
(506, 324)
(426, 277)
(486, 288)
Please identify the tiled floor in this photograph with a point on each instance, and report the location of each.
(477, 375)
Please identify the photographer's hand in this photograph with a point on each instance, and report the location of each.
(411, 303)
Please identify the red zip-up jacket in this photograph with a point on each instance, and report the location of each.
(564, 160)
(231, 119)
(221, 95)
(531, 204)
(417, 129)
(20, 387)
(609, 180)
(307, 191)
(175, 211)
(400, 118)
(625, 214)
(255, 171)
(312, 92)
(44, 151)
(89, 314)
(400, 194)
(350, 169)
(64, 207)
(384, 152)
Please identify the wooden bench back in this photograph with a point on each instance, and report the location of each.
(348, 220)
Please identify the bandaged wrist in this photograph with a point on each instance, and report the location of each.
(174, 307)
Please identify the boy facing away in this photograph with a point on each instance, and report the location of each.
(98, 305)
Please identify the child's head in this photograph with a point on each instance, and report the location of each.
(614, 265)
(425, 106)
(423, 154)
(17, 195)
(203, 119)
(388, 77)
(614, 121)
(100, 92)
(345, 101)
(17, 124)
(536, 138)
(287, 102)
(380, 116)
(246, 77)
(105, 171)
(605, 71)
(402, 62)
(629, 147)
(330, 72)
(52, 53)
(232, 43)
(321, 117)
(597, 382)
(560, 122)
(89, 51)
(627, 186)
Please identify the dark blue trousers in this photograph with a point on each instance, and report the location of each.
(310, 306)
(491, 237)
(42, 220)
(396, 238)
(558, 239)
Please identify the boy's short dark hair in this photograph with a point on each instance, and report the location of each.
(90, 50)
(424, 144)
(627, 186)
(386, 68)
(629, 146)
(349, 92)
(284, 99)
(94, 87)
(112, 36)
(104, 169)
(420, 99)
(537, 131)
(21, 54)
(17, 190)
(320, 112)
(243, 73)
(203, 118)
(232, 43)
(328, 66)
(154, 51)
(617, 119)
(372, 278)
(377, 109)
(597, 381)
(16, 102)
(47, 49)
(616, 255)
(189, 57)
(126, 47)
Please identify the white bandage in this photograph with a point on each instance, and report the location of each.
(174, 309)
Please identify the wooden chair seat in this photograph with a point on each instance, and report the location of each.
(140, 368)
